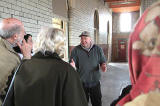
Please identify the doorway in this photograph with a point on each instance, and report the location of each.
(122, 48)
(96, 26)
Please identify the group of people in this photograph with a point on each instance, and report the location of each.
(44, 79)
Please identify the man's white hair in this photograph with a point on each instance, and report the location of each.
(7, 32)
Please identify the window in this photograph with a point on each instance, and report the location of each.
(125, 22)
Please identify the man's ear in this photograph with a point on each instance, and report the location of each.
(15, 36)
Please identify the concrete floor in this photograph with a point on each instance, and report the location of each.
(113, 81)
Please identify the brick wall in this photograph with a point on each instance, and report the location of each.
(33, 13)
(81, 18)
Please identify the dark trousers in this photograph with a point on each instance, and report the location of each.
(94, 93)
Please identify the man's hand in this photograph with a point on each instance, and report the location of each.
(26, 48)
(103, 67)
(72, 63)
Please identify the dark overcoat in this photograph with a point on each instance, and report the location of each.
(46, 80)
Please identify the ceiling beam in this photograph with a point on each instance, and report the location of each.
(124, 5)
(111, 5)
(126, 9)
(112, 1)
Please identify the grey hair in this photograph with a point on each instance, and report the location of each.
(50, 39)
(10, 31)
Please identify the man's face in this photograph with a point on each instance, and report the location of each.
(20, 36)
(9, 23)
(85, 41)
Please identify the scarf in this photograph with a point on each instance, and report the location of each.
(144, 54)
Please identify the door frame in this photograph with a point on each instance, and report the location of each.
(126, 51)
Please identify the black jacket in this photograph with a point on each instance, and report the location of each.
(125, 91)
(46, 80)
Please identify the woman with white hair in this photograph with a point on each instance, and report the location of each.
(47, 80)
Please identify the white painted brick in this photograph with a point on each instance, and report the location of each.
(19, 3)
(35, 1)
(35, 9)
(41, 23)
(12, 11)
(2, 3)
(25, 15)
(11, 1)
(27, 29)
(17, 13)
(24, 1)
(18, 17)
(33, 12)
(1, 9)
(38, 26)
(21, 14)
(24, 19)
(5, 15)
(6, 4)
(38, 18)
(25, 10)
(15, 7)
(33, 21)
(29, 7)
(39, 6)
(23, 5)
(40, 14)
(33, 4)
(19, 8)
(29, 12)
(33, 17)
(29, 15)
(43, 2)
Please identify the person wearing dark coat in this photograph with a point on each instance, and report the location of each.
(47, 80)
(125, 91)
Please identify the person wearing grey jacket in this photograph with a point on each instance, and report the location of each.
(88, 58)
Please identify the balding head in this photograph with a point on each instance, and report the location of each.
(10, 27)
(12, 30)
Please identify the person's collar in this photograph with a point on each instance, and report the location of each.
(7, 44)
(87, 49)
(12, 45)
(46, 54)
